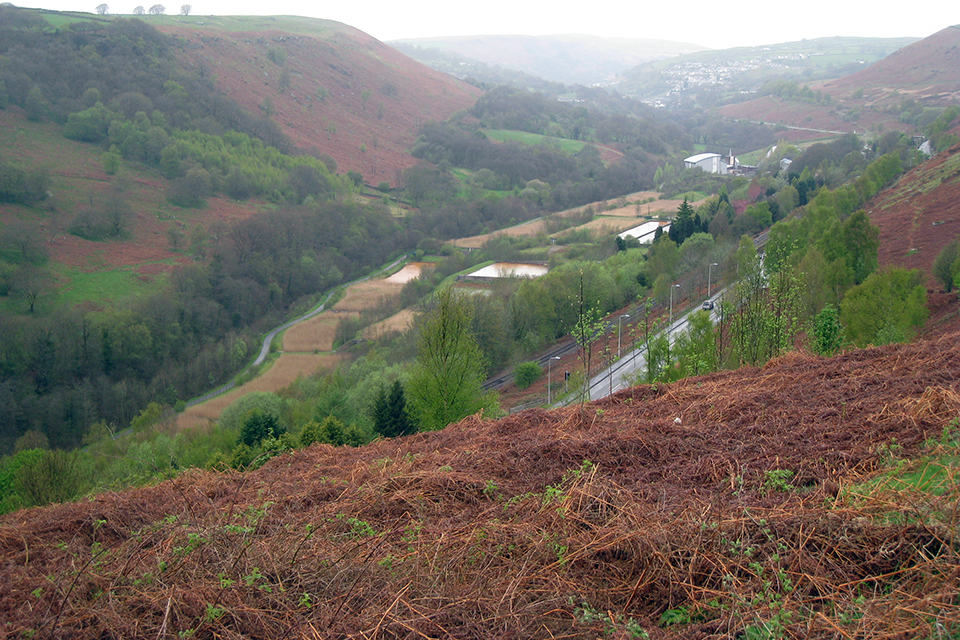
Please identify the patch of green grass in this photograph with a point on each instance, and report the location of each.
(111, 285)
(534, 139)
(931, 476)
(691, 196)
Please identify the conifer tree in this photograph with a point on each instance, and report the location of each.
(390, 417)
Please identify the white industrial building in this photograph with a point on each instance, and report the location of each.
(713, 163)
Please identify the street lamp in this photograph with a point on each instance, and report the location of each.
(712, 265)
(620, 331)
(676, 286)
(549, 363)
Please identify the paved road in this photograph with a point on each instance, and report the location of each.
(623, 373)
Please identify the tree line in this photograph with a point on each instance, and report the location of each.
(63, 372)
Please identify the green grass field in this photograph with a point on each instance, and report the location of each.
(108, 286)
(534, 139)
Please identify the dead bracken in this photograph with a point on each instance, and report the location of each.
(606, 520)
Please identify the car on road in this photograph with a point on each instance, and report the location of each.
(707, 305)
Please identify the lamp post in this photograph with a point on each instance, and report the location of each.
(549, 363)
(712, 265)
(676, 286)
(620, 331)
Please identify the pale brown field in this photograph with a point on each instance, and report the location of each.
(287, 368)
(367, 295)
(410, 271)
(397, 322)
(628, 213)
(601, 226)
(532, 228)
(315, 334)
(649, 209)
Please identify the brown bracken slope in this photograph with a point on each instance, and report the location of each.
(927, 71)
(349, 95)
(919, 215)
(575, 523)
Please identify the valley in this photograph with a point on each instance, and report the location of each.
(417, 454)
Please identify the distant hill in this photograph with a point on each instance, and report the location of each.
(927, 71)
(569, 58)
(329, 86)
(891, 94)
(713, 77)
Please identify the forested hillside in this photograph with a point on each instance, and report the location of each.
(159, 125)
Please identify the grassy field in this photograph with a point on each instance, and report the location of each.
(316, 334)
(282, 373)
(534, 139)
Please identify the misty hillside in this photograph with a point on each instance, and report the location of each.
(568, 59)
(904, 91)
(709, 78)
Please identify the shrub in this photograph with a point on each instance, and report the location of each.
(526, 373)
(259, 425)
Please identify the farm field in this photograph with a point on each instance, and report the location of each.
(308, 346)
(287, 368)
(316, 334)
(400, 321)
(612, 220)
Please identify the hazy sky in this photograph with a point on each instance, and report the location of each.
(715, 23)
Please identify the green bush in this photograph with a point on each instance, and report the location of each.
(526, 373)
(259, 425)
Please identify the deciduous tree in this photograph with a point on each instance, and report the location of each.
(887, 307)
(943, 265)
(446, 381)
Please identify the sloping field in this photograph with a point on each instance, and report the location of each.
(287, 368)
(316, 334)
(368, 295)
(400, 321)
(606, 219)
(730, 505)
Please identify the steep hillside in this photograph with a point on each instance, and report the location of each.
(330, 87)
(730, 505)
(569, 58)
(888, 95)
(77, 178)
(927, 71)
(918, 216)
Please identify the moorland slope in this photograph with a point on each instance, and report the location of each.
(873, 99)
(715, 504)
(329, 86)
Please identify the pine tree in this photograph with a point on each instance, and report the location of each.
(683, 225)
(390, 417)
